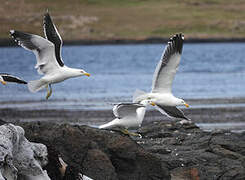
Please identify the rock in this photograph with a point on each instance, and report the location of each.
(99, 154)
(182, 150)
(191, 153)
(18, 155)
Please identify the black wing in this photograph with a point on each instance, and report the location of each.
(52, 34)
(11, 78)
(172, 111)
(168, 65)
(41, 47)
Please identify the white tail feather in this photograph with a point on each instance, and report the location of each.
(36, 85)
(137, 95)
(109, 125)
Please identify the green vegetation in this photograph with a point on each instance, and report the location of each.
(127, 19)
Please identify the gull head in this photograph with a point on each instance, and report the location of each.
(148, 101)
(84, 73)
(181, 102)
(74, 72)
(79, 72)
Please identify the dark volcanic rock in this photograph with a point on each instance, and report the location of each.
(194, 154)
(183, 150)
(99, 154)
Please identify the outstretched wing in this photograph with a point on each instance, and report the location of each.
(126, 109)
(42, 48)
(172, 111)
(168, 65)
(52, 34)
(11, 78)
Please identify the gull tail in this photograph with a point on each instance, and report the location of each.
(108, 125)
(36, 85)
(139, 95)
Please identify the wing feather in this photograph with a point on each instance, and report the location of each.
(172, 111)
(168, 65)
(42, 48)
(126, 109)
(51, 33)
(11, 78)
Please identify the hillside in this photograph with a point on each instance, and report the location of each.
(127, 19)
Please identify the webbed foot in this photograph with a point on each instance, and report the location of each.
(49, 91)
(127, 132)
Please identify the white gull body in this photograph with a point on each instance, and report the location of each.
(128, 115)
(161, 94)
(48, 55)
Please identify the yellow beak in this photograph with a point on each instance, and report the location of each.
(187, 105)
(3, 82)
(87, 74)
(152, 103)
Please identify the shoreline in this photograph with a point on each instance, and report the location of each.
(151, 40)
(228, 117)
(102, 105)
(220, 113)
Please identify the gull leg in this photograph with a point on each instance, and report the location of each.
(49, 91)
(125, 131)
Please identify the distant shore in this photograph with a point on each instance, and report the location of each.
(151, 40)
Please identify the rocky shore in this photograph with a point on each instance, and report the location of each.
(166, 151)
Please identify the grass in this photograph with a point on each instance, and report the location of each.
(127, 19)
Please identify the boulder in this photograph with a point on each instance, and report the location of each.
(192, 153)
(19, 156)
(99, 154)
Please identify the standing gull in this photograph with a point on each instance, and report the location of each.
(161, 94)
(48, 55)
(4, 78)
(128, 115)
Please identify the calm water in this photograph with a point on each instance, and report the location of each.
(212, 70)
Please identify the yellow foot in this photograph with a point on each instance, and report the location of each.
(136, 134)
(49, 92)
(3, 82)
(48, 95)
(125, 131)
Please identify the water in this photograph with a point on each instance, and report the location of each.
(210, 70)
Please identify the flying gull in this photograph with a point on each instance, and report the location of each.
(161, 94)
(128, 115)
(4, 78)
(48, 55)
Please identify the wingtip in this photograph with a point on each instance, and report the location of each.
(178, 40)
(178, 36)
(12, 31)
(46, 14)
